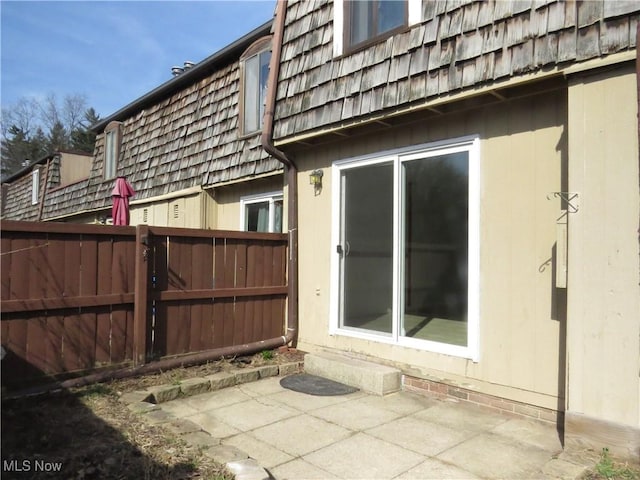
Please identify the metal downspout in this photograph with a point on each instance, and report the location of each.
(290, 169)
(44, 191)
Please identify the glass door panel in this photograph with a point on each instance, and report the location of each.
(435, 248)
(366, 248)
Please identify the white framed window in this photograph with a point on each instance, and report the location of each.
(358, 23)
(405, 260)
(262, 212)
(112, 142)
(35, 186)
(254, 68)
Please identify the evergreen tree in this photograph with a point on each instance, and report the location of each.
(83, 139)
(57, 138)
(32, 129)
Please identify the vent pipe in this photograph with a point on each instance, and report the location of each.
(175, 71)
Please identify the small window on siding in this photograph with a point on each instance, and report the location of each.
(262, 213)
(254, 70)
(112, 143)
(358, 24)
(35, 186)
(366, 21)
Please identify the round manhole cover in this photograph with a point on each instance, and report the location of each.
(314, 385)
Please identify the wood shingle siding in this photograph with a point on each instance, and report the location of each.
(187, 138)
(457, 44)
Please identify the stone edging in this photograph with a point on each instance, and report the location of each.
(146, 403)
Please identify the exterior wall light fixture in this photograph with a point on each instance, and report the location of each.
(315, 178)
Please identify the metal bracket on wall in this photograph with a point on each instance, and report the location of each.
(570, 200)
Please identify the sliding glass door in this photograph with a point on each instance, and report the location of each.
(407, 247)
(366, 247)
(434, 248)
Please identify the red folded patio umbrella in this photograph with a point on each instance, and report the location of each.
(121, 193)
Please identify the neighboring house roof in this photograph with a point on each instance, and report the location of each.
(58, 171)
(456, 45)
(41, 161)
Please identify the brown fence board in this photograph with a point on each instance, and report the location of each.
(20, 262)
(79, 342)
(37, 267)
(118, 334)
(218, 323)
(72, 257)
(228, 322)
(258, 316)
(69, 293)
(5, 267)
(88, 255)
(201, 278)
(268, 264)
(53, 260)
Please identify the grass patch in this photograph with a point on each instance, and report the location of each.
(608, 468)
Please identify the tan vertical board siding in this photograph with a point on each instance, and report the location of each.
(522, 147)
(74, 167)
(227, 200)
(603, 292)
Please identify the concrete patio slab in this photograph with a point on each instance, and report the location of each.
(375, 458)
(213, 425)
(298, 469)
(301, 434)
(268, 429)
(217, 399)
(309, 403)
(264, 453)
(404, 403)
(433, 469)
(355, 415)
(460, 416)
(250, 415)
(268, 386)
(531, 432)
(418, 436)
(491, 456)
(179, 408)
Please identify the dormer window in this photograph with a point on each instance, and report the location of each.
(112, 143)
(254, 70)
(35, 186)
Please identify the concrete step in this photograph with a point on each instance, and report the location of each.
(367, 376)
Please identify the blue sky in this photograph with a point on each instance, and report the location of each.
(112, 52)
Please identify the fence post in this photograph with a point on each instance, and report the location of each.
(140, 309)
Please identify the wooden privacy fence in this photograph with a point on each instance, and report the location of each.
(80, 298)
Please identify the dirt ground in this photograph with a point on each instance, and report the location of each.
(87, 433)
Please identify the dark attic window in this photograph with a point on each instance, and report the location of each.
(368, 22)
